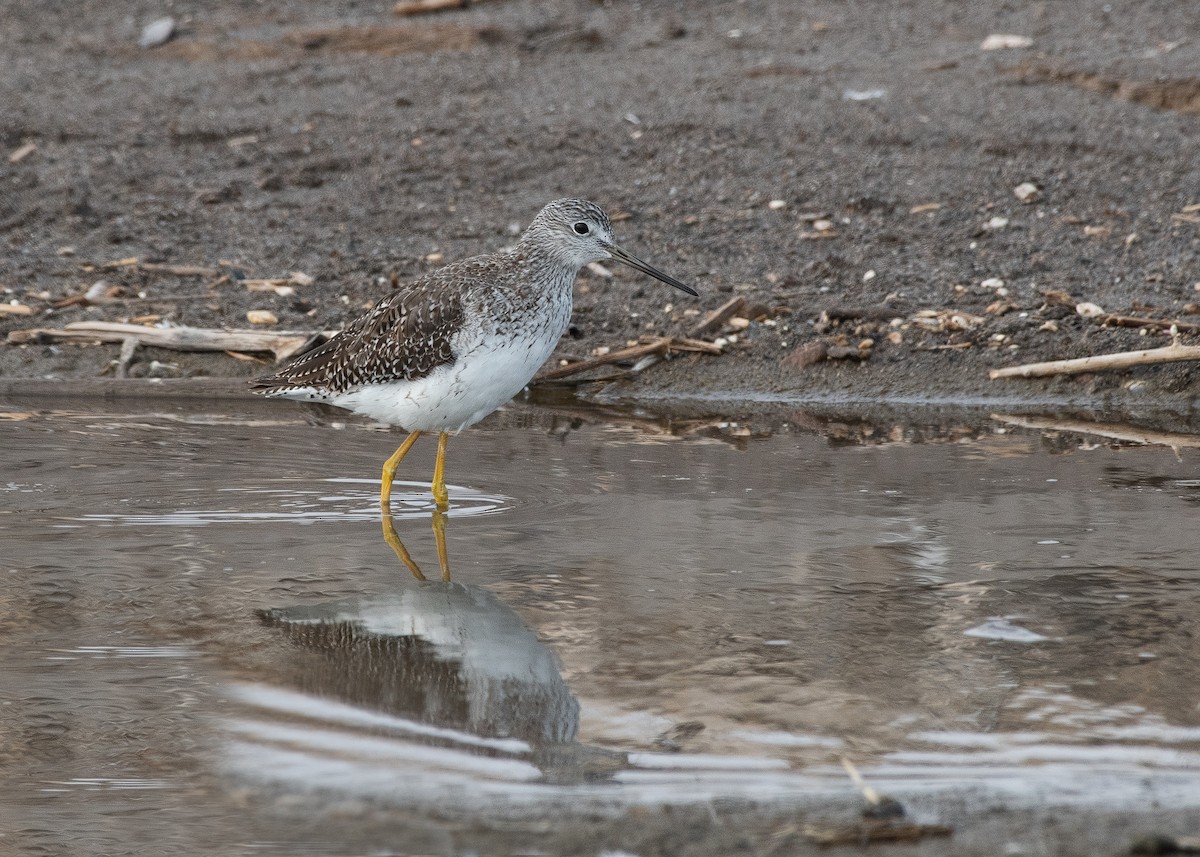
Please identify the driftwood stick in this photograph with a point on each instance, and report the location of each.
(1115, 431)
(282, 344)
(178, 270)
(1159, 323)
(631, 353)
(423, 7)
(656, 345)
(689, 344)
(718, 316)
(1100, 362)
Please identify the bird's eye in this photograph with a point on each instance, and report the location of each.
(581, 228)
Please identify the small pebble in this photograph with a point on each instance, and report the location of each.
(993, 283)
(262, 317)
(1027, 192)
(777, 204)
(157, 33)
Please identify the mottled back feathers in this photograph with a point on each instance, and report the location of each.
(404, 337)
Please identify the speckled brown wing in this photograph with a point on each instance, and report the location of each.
(404, 337)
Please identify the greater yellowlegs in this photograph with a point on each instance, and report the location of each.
(443, 352)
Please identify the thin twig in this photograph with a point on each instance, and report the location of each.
(178, 270)
(631, 353)
(1100, 362)
(424, 7)
(657, 345)
(718, 316)
(1114, 320)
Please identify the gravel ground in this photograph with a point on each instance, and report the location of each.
(810, 157)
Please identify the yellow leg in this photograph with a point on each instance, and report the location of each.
(440, 495)
(397, 546)
(389, 469)
(439, 535)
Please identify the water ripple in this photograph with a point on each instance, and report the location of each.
(263, 503)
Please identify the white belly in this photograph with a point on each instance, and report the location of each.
(455, 396)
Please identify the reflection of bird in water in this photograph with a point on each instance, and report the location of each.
(442, 653)
(401, 552)
(447, 655)
(442, 353)
(494, 651)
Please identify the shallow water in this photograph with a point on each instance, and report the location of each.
(208, 643)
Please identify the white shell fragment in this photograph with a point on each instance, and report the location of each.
(1027, 192)
(157, 33)
(1004, 41)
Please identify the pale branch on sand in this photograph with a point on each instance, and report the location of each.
(281, 344)
(1100, 362)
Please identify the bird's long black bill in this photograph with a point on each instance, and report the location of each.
(634, 262)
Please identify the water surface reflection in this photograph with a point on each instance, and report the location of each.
(202, 622)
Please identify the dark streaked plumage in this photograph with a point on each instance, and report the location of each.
(404, 337)
(443, 352)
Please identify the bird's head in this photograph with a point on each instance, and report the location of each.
(577, 232)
